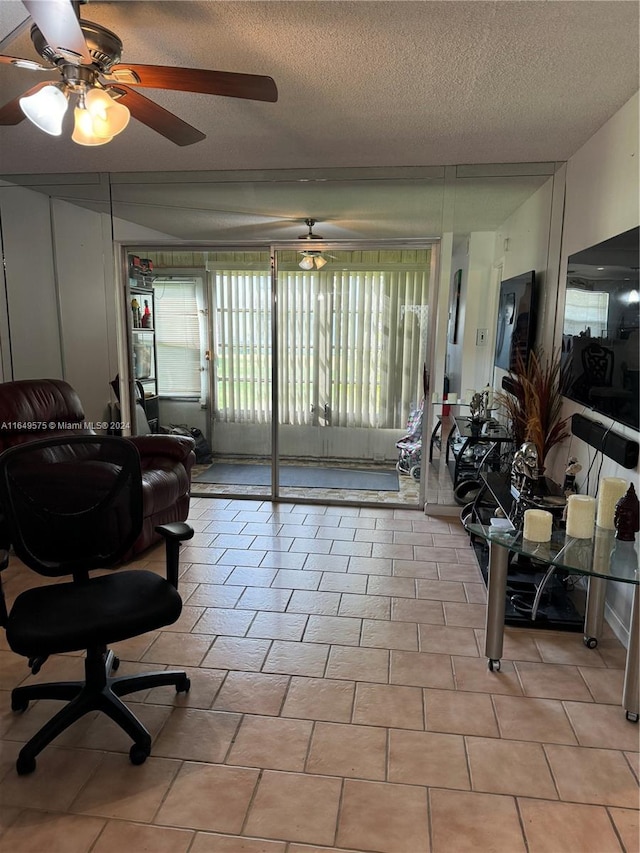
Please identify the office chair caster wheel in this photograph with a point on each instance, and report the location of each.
(138, 753)
(19, 705)
(115, 664)
(494, 665)
(184, 686)
(590, 642)
(633, 718)
(24, 766)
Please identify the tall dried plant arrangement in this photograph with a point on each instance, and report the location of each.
(535, 406)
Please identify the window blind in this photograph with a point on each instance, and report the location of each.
(178, 338)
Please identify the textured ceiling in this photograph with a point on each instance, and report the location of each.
(360, 83)
(371, 95)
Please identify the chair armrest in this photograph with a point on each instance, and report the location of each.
(174, 533)
(176, 447)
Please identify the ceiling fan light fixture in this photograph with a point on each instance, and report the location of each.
(306, 263)
(319, 262)
(46, 108)
(83, 129)
(109, 117)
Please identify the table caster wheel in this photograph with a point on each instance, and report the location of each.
(590, 642)
(138, 753)
(494, 665)
(24, 766)
(633, 718)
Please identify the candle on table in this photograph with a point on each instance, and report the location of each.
(581, 514)
(435, 397)
(537, 525)
(611, 490)
(452, 398)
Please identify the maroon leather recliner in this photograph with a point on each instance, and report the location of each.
(31, 409)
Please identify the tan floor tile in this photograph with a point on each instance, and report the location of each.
(628, 826)
(202, 569)
(314, 603)
(612, 652)
(205, 684)
(476, 593)
(399, 587)
(119, 790)
(602, 725)
(509, 767)
(209, 797)
(389, 635)
(605, 685)
(464, 571)
(312, 848)
(440, 590)
(469, 822)
(415, 569)
(188, 618)
(237, 653)
(297, 658)
(553, 682)
(324, 563)
(388, 705)
(221, 620)
(296, 579)
(342, 630)
(358, 752)
(634, 762)
(384, 817)
(124, 835)
(567, 649)
(252, 693)
(273, 742)
(448, 640)
(196, 735)
(208, 842)
(550, 827)
(100, 732)
(460, 713)
(370, 565)
(428, 758)
(295, 807)
(213, 595)
(516, 645)
(417, 610)
(465, 615)
(34, 831)
(598, 776)
(420, 669)
(474, 675)
(255, 598)
(251, 576)
(319, 699)
(36, 790)
(278, 626)
(357, 664)
(529, 718)
(333, 582)
(365, 606)
(179, 649)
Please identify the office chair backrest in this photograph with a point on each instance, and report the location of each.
(72, 503)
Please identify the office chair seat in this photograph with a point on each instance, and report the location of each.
(66, 617)
(74, 505)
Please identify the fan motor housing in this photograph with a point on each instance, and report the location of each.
(104, 46)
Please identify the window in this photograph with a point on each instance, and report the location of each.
(586, 309)
(178, 336)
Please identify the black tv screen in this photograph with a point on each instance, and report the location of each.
(516, 327)
(600, 332)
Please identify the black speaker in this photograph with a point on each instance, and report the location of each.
(622, 450)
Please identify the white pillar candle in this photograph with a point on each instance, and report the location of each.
(610, 492)
(537, 525)
(581, 514)
(452, 398)
(435, 397)
(489, 399)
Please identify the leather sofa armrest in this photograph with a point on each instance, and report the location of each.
(177, 447)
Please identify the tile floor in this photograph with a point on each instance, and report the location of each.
(340, 702)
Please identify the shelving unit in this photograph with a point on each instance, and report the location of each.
(468, 445)
(143, 357)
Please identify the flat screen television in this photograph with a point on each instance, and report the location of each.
(516, 326)
(600, 331)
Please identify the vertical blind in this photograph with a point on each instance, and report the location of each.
(352, 345)
(179, 340)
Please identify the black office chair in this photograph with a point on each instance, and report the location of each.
(74, 505)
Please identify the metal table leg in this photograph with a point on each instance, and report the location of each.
(594, 612)
(496, 603)
(630, 693)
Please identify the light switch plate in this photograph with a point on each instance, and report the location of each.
(481, 337)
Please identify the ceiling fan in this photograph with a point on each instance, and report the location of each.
(87, 57)
(310, 257)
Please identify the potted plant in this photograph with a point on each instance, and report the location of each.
(534, 403)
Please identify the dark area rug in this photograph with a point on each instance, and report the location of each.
(293, 475)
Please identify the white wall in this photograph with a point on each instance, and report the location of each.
(601, 201)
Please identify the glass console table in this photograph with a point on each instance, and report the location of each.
(602, 558)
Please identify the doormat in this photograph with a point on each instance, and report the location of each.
(293, 475)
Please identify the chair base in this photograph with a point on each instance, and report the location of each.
(100, 691)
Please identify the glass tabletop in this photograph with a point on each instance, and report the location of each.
(603, 556)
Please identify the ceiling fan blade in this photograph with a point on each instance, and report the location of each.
(11, 113)
(229, 83)
(29, 64)
(57, 21)
(159, 119)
